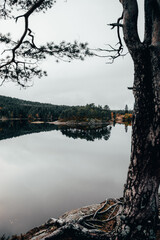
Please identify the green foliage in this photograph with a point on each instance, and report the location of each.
(83, 113)
(16, 108)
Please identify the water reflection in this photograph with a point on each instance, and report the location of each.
(43, 175)
(10, 129)
(90, 134)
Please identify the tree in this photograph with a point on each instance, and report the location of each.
(141, 190)
(106, 108)
(21, 57)
(126, 108)
(140, 201)
(140, 213)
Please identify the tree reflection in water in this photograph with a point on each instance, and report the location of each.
(90, 134)
(10, 129)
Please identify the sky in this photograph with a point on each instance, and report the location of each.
(78, 82)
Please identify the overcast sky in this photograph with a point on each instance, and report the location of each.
(78, 82)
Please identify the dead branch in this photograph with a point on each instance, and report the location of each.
(116, 52)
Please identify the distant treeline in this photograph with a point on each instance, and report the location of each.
(89, 111)
(16, 108)
(122, 111)
(11, 108)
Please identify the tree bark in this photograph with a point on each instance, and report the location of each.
(141, 190)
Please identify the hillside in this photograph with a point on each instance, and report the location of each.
(15, 101)
(11, 108)
(17, 108)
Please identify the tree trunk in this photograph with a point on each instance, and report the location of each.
(140, 213)
(141, 191)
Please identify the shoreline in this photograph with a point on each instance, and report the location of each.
(92, 122)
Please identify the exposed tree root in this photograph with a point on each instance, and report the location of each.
(105, 218)
(97, 222)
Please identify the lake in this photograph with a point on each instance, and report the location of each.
(45, 174)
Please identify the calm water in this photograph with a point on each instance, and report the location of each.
(44, 174)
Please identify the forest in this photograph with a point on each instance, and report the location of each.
(11, 108)
(14, 108)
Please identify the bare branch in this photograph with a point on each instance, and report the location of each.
(113, 25)
(116, 52)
